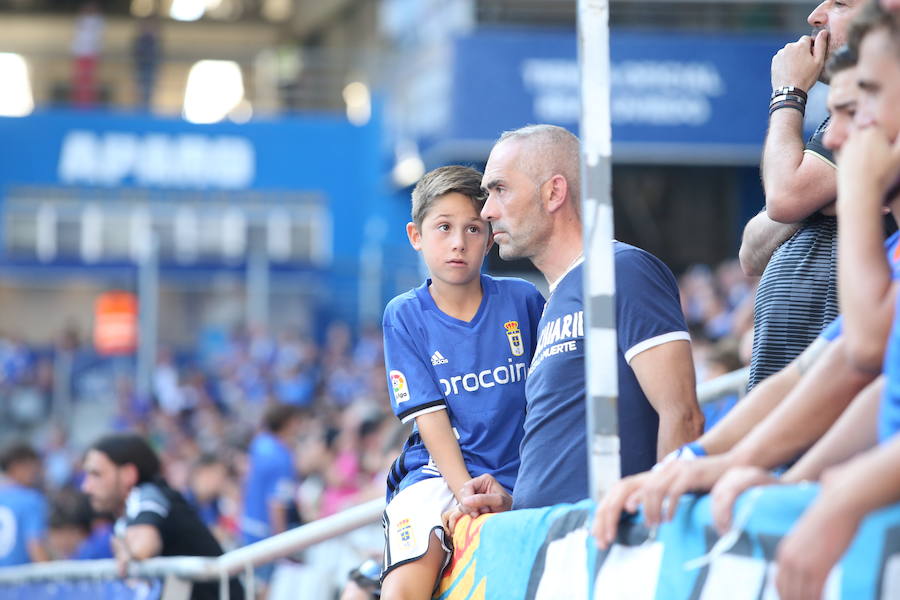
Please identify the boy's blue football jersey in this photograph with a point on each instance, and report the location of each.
(475, 370)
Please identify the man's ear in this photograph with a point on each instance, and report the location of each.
(415, 238)
(555, 191)
(129, 474)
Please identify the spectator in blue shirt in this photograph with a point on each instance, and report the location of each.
(23, 509)
(271, 484)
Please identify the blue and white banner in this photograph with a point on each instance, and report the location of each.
(548, 553)
(675, 97)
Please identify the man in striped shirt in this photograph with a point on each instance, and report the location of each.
(792, 243)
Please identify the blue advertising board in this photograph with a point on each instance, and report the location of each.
(675, 97)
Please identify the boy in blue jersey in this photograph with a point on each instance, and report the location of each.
(457, 351)
(23, 509)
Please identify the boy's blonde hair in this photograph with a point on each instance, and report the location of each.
(443, 181)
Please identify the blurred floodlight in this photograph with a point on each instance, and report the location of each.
(142, 8)
(187, 10)
(276, 10)
(359, 103)
(214, 88)
(15, 97)
(409, 167)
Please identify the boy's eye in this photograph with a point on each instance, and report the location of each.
(474, 229)
(443, 227)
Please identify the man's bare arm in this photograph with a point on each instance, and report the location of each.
(762, 236)
(666, 376)
(855, 432)
(805, 415)
(796, 183)
(867, 293)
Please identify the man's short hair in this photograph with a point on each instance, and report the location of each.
(551, 150)
(17, 452)
(130, 448)
(874, 16)
(443, 181)
(842, 59)
(278, 416)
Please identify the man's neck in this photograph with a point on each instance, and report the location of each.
(558, 259)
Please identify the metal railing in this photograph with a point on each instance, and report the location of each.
(179, 572)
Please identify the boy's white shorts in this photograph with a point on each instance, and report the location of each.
(409, 520)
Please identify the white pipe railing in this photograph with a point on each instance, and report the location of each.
(734, 382)
(196, 568)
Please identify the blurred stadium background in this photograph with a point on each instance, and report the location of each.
(240, 170)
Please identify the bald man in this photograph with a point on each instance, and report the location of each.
(534, 201)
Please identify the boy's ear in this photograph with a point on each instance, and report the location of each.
(490, 243)
(415, 238)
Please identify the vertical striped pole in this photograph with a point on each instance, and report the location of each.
(599, 272)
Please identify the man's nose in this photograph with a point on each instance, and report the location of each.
(487, 211)
(819, 16)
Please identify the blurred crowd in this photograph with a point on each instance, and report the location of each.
(210, 412)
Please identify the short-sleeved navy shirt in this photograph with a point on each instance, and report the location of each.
(554, 448)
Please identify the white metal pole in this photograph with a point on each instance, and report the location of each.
(599, 274)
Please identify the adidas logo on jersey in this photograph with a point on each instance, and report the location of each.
(438, 359)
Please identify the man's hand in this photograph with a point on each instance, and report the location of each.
(813, 547)
(662, 490)
(484, 494)
(732, 484)
(621, 497)
(123, 556)
(868, 156)
(800, 63)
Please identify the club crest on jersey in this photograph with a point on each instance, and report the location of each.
(404, 530)
(514, 335)
(398, 386)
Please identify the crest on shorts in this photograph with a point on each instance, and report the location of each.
(404, 530)
(399, 387)
(514, 335)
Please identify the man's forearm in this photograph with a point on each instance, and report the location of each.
(677, 428)
(864, 277)
(853, 433)
(761, 238)
(806, 413)
(796, 184)
(750, 411)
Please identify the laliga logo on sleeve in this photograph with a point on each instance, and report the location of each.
(515, 338)
(398, 385)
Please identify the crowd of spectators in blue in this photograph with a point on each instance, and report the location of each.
(262, 418)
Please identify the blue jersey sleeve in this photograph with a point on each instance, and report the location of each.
(833, 330)
(34, 520)
(648, 310)
(412, 383)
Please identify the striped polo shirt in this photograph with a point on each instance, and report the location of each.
(797, 294)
